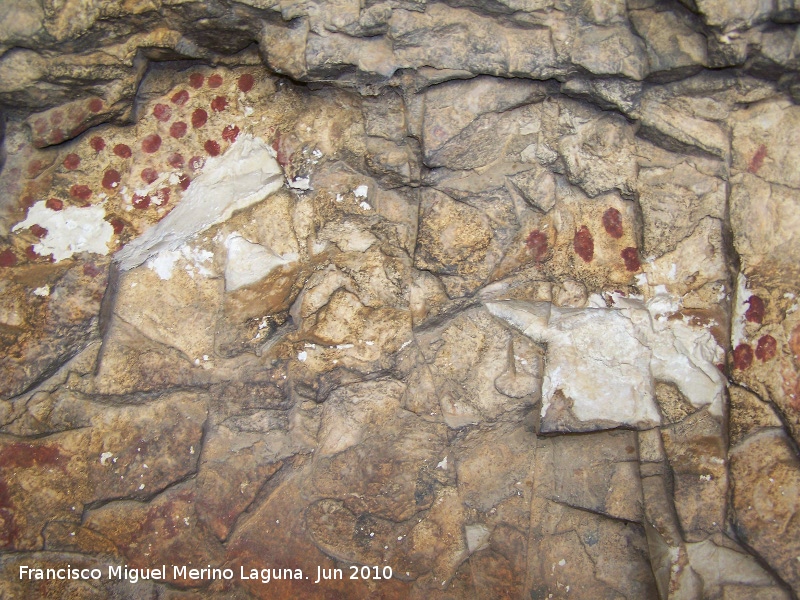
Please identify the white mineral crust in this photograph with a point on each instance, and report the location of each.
(606, 360)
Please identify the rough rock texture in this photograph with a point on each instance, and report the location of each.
(473, 299)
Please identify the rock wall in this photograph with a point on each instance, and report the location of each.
(499, 295)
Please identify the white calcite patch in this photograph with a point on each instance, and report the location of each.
(605, 362)
(248, 262)
(196, 261)
(69, 231)
(739, 307)
(247, 173)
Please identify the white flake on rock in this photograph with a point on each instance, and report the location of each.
(249, 262)
(69, 231)
(247, 173)
(605, 361)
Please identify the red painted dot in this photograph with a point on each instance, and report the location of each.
(91, 270)
(230, 133)
(57, 118)
(40, 125)
(584, 243)
(196, 163)
(212, 147)
(758, 159)
(122, 150)
(38, 230)
(34, 167)
(54, 204)
(185, 180)
(26, 201)
(767, 348)
(95, 105)
(111, 179)
(177, 129)
(163, 196)
(631, 258)
(8, 258)
(82, 192)
(151, 143)
(246, 82)
(141, 202)
(180, 98)
(196, 80)
(612, 222)
(743, 356)
(162, 112)
(97, 143)
(118, 225)
(72, 161)
(755, 312)
(219, 103)
(199, 118)
(175, 160)
(215, 80)
(537, 242)
(149, 175)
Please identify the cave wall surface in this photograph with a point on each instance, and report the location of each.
(501, 295)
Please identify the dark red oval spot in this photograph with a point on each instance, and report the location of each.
(162, 112)
(97, 143)
(196, 163)
(212, 147)
(230, 133)
(612, 222)
(149, 175)
(140, 201)
(246, 82)
(196, 80)
(758, 159)
(26, 201)
(111, 179)
(219, 103)
(767, 348)
(215, 80)
(122, 150)
(38, 230)
(584, 243)
(175, 160)
(54, 204)
(163, 196)
(82, 192)
(118, 225)
(91, 270)
(151, 143)
(180, 98)
(57, 118)
(743, 356)
(72, 161)
(631, 258)
(177, 129)
(34, 167)
(755, 312)
(537, 243)
(95, 105)
(8, 258)
(199, 118)
(31, 254)
(185, 180)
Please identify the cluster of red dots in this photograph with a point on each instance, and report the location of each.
(167, 111)
(766, 347)
(178, 129)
